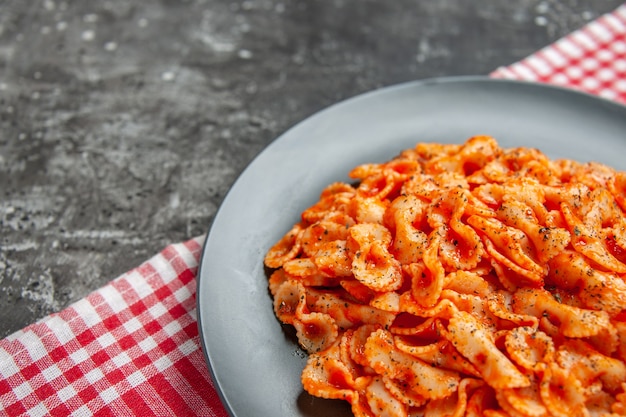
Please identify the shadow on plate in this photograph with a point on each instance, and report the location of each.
(311, 406)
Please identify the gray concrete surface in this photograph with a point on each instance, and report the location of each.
(123, 124)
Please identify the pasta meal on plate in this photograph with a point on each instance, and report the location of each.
(462, 280)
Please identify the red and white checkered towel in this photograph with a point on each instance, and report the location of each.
(592, 59)
(132, 347)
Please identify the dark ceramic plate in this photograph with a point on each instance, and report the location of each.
(254, 361)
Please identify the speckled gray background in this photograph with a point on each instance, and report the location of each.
(123, 124)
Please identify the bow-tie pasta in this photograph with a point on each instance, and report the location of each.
(462, 280)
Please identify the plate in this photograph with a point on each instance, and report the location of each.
(254, 360)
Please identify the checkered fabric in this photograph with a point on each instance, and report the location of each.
(132, 347)
(592, 59)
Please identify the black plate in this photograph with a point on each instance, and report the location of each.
(255, 363)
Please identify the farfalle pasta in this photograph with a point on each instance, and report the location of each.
(462, 280)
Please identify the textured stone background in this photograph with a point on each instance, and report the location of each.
(123, 124)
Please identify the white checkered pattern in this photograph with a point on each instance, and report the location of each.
(592, 59)
(130, 348)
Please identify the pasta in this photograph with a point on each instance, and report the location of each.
(462, 280)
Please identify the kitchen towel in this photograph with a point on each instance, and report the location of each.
(133, 348)
(592, 59)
